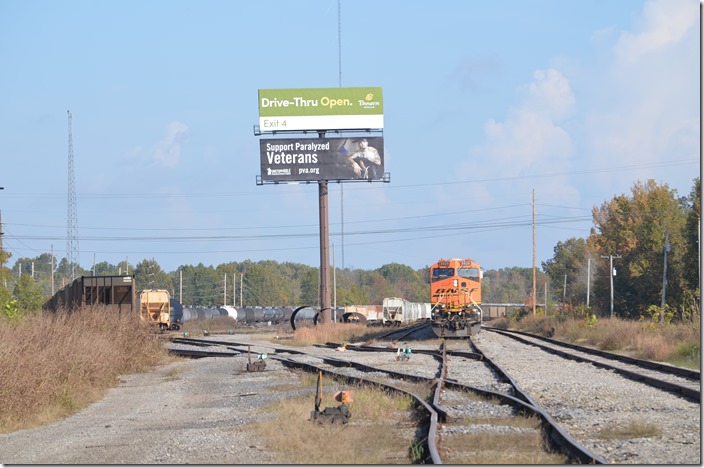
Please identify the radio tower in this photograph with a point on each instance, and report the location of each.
(72, 218)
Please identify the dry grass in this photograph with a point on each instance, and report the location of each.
(381, 429)
(212, 325)
(329, 333)
(676, 343)
(499, 449)
(54, 365)
(635, 429)
(524, 446)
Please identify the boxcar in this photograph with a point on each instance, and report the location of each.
(116, 293)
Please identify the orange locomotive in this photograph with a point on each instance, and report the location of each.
(455, 293)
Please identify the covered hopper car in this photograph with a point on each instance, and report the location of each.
(155, 308)
(398, 311)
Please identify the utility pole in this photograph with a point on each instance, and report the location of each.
(564, 294)
(52, 269)
(534, 297)
(612, 273)
(545, 296)
(589, 277)
(241, 290)
(666, 249)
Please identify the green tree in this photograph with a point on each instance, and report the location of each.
(509, 285)
(149, 275)
(265, 285)
(635, 227)
(570, 260)
(29, 295)
(106, 269)
(201, 285)
(404, 282)
(5, 273)
(310, 288)
(5, 296)
(692, 234)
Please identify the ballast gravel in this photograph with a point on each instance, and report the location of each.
(597, 407)
(202, 411)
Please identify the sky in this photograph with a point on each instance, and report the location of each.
(487, 104)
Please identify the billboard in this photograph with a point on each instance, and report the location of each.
(317, 159)
(320, 109)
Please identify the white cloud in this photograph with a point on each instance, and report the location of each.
(168, 150)
(530, 134)
(645, 105)
(663, 24)
(549, 93)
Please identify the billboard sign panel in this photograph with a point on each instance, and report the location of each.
(320, 109)
(318, 159)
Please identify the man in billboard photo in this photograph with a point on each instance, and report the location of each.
(366, 162)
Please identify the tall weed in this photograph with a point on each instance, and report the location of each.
(55, 364)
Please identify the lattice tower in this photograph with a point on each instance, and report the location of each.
(72, 217)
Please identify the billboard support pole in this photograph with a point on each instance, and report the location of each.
(325, 311)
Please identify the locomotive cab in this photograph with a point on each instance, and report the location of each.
(455, 290)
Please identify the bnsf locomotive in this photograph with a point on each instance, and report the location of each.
(455, 293)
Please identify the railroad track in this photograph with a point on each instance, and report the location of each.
(443, 403)
(621, 415)
(678, 380)
(407, 332)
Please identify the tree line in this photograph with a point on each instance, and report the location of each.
(651, 237)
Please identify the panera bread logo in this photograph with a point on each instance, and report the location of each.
(368, 102)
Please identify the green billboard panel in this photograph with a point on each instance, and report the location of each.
(321, 109)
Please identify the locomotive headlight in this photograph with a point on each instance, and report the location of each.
(454, 283)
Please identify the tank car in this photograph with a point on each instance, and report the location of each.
(456, 295)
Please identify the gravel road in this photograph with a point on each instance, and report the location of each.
(192, 412)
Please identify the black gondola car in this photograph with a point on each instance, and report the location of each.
(116, 293)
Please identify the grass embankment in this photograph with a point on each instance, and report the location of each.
(54, 365)
(678, 344)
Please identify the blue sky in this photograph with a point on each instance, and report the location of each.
(484, 102)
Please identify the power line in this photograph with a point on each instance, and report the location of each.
(120, 196)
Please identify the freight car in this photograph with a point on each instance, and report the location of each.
(371, 314)
(116, 294)
(245, 315)
(155, 308)
(456, 292)
(398, 311)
